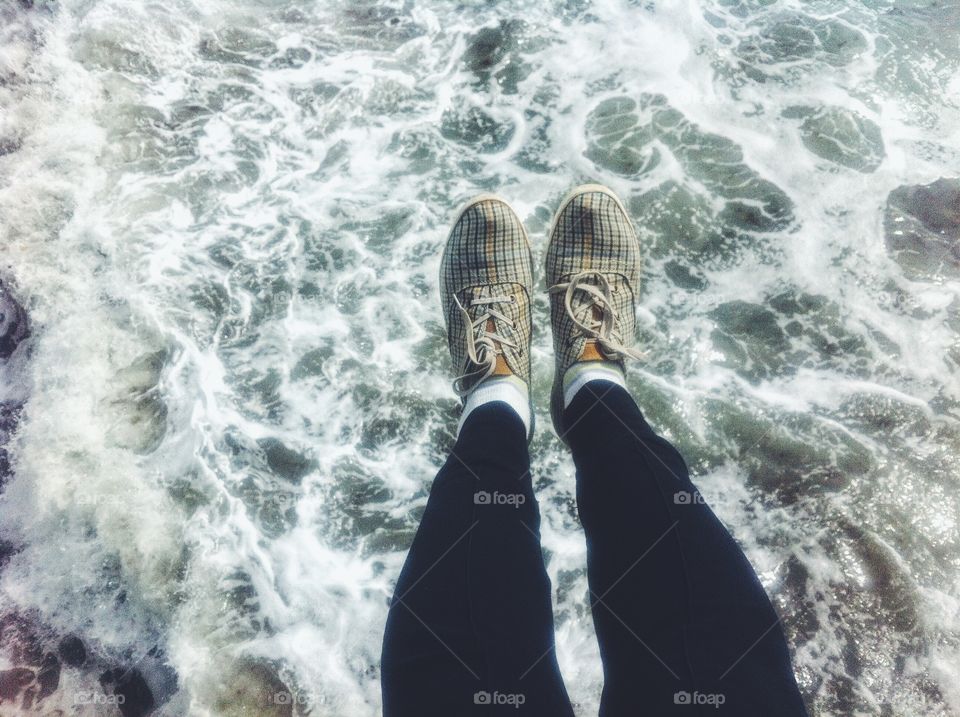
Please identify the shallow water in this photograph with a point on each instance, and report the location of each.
(224, 220)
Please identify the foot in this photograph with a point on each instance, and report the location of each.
(486, 277)
(593, 272)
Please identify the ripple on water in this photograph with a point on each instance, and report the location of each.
(629, 137)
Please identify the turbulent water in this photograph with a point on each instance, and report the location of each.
(223, 220)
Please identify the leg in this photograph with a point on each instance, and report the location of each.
(470, 628)
(681, 617)
(679, 612)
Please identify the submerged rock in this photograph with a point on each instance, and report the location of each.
(137, 698)
(13, 682)
(49, 675)
(496, 53)
(14, 331)
(253, 687)
(138, 401)
(922, 228)
(13, 324)
(71, 651)
(286, 462)
(840, 135)
(9, 145)
(632, 137)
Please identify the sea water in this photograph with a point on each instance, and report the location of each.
(224, 219)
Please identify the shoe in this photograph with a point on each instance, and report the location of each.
(486, 280)
(593, 272)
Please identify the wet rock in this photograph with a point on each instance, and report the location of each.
(13, 323)
(100, 50)
(892, 592)
(489, 46)
(684, 276)
(71, 651)
(14, 332)
(380, 25)
(750, 338)
(840, 135)
(286, 462)
(6, 548)
(254, 688)
(922, 228)
(474, 128)
(9, 146)
(161, 679)
(137, 698)
(631, 137)
(496, 53)
(139, 405)
(49, 675)
(311, 363)
(12, 683)
(793, 43)
(19, 640)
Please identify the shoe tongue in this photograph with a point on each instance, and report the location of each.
(501, 369)
(591, 351)
(591, 347)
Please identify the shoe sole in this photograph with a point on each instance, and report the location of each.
(556, 393)
(469, 204)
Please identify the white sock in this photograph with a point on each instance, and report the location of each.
(583, 372)
(509, 389)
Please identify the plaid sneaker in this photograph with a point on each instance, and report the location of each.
(592, 271)
(486, 276)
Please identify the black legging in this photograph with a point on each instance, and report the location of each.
(684, 625)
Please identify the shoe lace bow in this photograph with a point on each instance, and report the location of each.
(585, 292)
(484, 342)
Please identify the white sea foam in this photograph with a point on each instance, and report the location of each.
(225, 218)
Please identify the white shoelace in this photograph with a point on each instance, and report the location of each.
(482, 348)
(606, 329)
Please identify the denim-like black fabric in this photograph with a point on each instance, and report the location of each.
(685, 628)
(684, 625)
(470, 629)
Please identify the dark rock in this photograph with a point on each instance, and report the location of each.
(253, 687)
(14, 330)
(9, 146)
(137, 697)
(49, 675)
(286, 462)
(922, 228)
(19, 640)
(7, 548)
(489, 46)
(840, 135)
(12, 683)
(72, 651)
(159, 676)
(13, 323)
